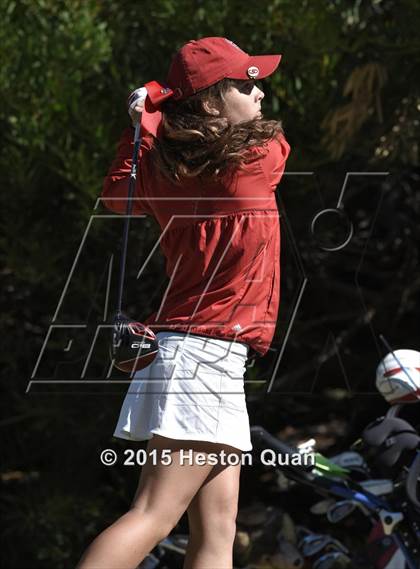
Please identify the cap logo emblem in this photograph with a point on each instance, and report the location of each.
(253, 72)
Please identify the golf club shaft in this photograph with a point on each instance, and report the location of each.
(131, 187)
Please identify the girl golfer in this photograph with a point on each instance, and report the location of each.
(208, 170)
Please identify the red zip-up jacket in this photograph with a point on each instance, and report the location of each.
(221, 240)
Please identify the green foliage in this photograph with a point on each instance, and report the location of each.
(58, 518)
(51, 72)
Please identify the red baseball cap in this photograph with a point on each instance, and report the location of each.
(204, 62)
(199, 64)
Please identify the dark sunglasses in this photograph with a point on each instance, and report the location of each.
(247, 86)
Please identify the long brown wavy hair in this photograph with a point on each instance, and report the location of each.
(193, 142)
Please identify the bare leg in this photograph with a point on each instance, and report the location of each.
(212, 519)
(163, 495)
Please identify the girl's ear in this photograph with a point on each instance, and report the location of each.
(210, 109)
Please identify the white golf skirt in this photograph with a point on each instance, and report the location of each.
(193, 390)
